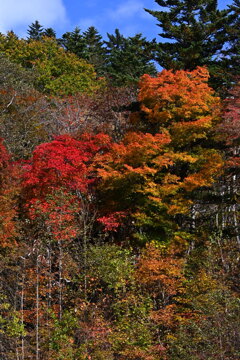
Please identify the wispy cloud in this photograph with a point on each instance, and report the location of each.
(126, 10)
(127, 15)
(116, 16)
(18, 14)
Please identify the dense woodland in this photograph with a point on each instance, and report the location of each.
(119, 190)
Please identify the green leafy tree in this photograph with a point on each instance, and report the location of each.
(62, 337)
(57, 72)
(11, 329)
(24, 112)
(212, 295)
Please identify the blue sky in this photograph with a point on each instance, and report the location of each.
(65, 15)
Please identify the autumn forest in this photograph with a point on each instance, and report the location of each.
(119, 190)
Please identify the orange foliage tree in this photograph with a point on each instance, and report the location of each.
(160, 274)
(181, 102)
(151, 176)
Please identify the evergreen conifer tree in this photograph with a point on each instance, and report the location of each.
(192, 28)
(35, 31)
(115, 41)
(73, 42)
(49, 32)
(95, 52)
(128, 58)
(232, 38)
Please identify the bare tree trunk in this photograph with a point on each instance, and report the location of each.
(60, 279)
(85, 260)
(15, 309)
(37, 305)
(22, 305)
(234, 207)
(49, 300)
(235, 222)
(17, 354)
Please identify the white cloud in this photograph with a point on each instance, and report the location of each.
(126, 10)
(18, 14)
(127, 15)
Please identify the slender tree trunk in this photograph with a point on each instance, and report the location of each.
(37, 305)
(85, 259)
(17, 354)
(49, 300)
(235, 222)
(60, 278)
(15, 309)
(22, 305)
(234, 207)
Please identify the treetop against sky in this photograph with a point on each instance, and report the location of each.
(63, 15)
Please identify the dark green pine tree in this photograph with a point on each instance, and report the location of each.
(35, 31)
(115, 41)
(226, 71)
(73, 42)
(232, 38)
(192, 31)
(95, 52)
(128, 58)
(49, 32)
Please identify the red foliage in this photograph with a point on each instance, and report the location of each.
(112, 221)
(230, 127)
(4, 156)
(64, 162)
(58, 177)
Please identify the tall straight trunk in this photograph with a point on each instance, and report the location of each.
(49, 299)
(235, 222)
(15, 309)
(60, 278)
(234, 207)
(17, 353)
(37, 305)
(22, 306)
(85, 258)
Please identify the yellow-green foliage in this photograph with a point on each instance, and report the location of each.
(59, 72)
